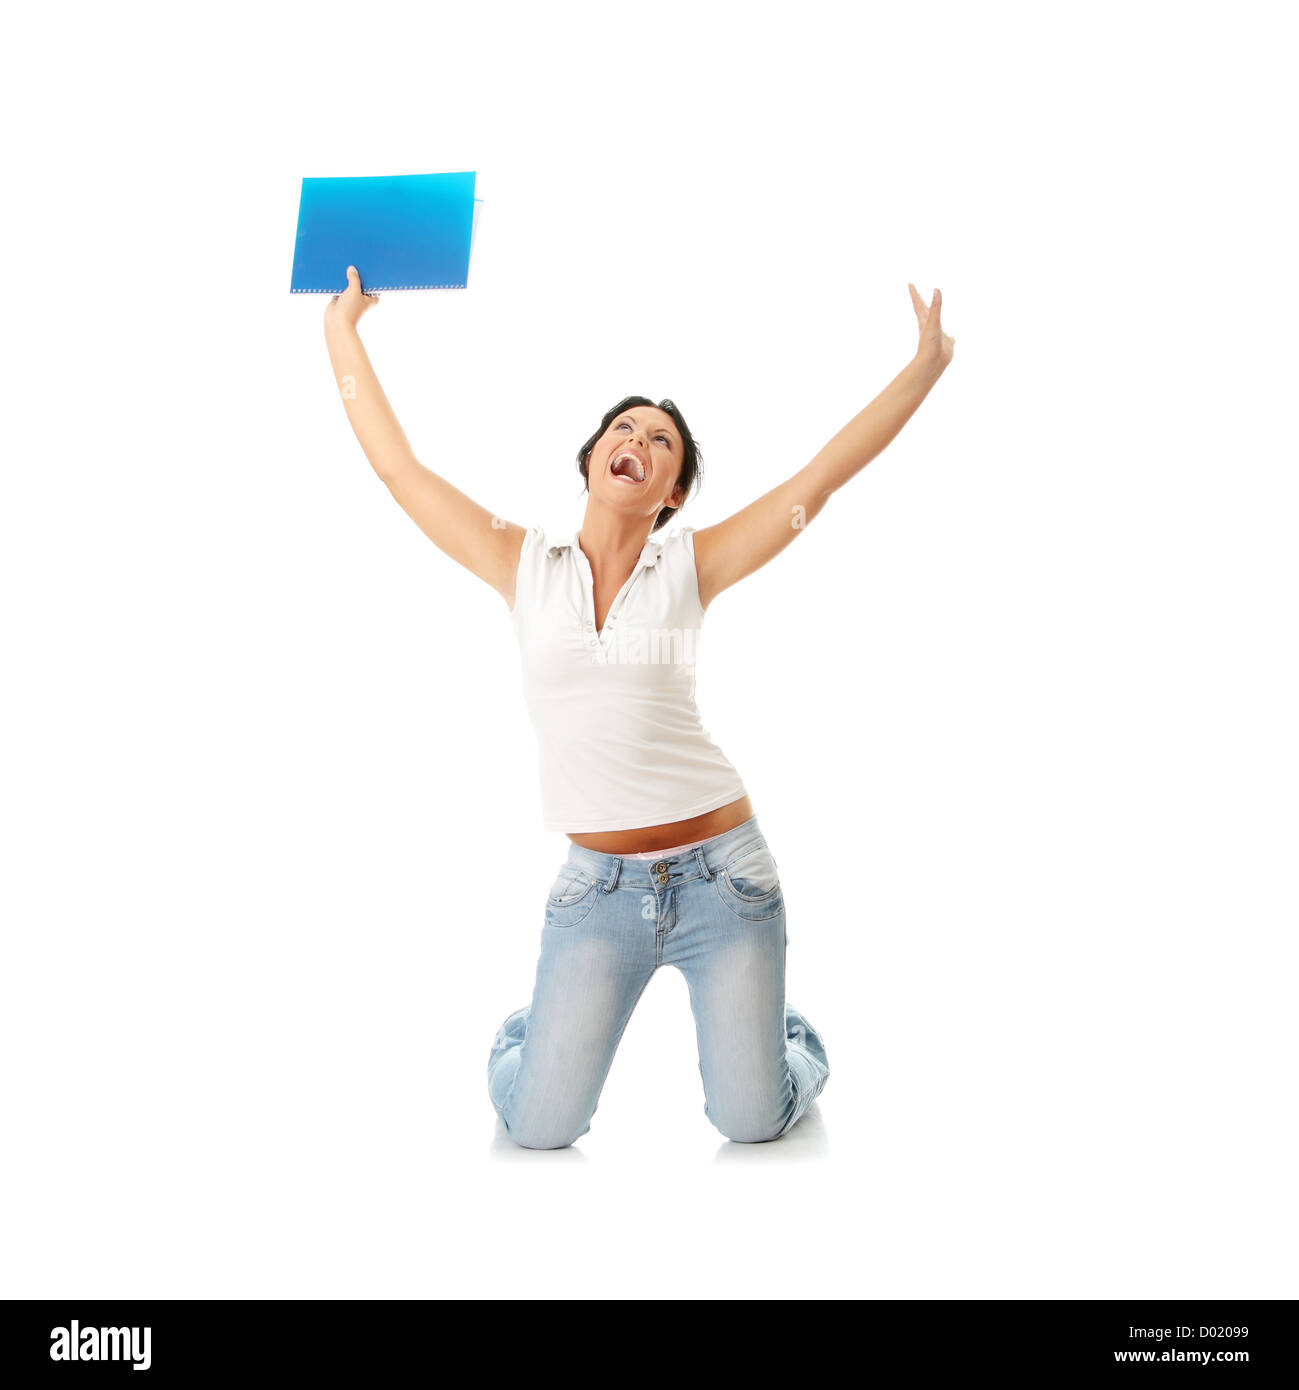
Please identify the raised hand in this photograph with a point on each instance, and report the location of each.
(935, 345)
(347, 307)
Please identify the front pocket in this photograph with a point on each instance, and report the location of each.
(571, 885)
(750, 885)
(572, 895)
(753, 874)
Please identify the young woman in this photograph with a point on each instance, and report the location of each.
(667, 865)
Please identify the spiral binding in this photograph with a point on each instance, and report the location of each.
(374, 289)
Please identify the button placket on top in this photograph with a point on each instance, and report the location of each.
(594, 639)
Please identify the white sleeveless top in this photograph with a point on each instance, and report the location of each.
(620, 740)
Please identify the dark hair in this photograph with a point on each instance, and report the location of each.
(692, 465)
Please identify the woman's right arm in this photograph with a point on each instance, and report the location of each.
(484, 544)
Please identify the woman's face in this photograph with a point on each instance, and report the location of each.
(635, 463)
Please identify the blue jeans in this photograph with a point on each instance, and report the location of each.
(717, 913)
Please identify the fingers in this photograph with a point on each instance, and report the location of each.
(929, 315)
(354, 283)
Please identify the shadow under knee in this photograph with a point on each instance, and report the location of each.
(535, 1138)
(748, 1134)
(805, 1138)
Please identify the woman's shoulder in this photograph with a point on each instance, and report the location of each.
(541, 541)
(542, 556)
(679, 548)
(678, 540)
(676, 561)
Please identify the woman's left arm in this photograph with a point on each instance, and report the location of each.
(730, 550)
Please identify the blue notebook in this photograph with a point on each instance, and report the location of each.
(400, 231)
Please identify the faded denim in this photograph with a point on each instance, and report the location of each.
(717, 913)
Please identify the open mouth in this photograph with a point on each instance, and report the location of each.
(628, 467)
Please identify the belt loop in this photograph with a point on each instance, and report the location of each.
(703, 863)
(612, 880)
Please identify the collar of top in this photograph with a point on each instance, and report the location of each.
(648, 556)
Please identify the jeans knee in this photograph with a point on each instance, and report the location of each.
(545, 1136)
(750, 1133)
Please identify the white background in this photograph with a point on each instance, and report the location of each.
(1016, 711)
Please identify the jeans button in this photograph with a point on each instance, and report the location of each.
(663, 878)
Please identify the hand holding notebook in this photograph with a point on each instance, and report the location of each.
(347, 308)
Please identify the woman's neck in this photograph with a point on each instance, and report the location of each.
(612, 544)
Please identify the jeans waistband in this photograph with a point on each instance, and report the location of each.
(615, 870)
